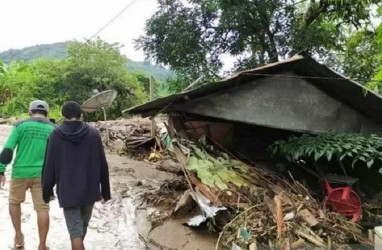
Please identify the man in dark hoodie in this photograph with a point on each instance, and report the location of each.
(75, 161)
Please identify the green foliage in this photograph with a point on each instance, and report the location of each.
(216, 172)
(360, 56)
(331, 147)
(192, 36)
(144, 81)
(2, 67)
(377, 80)
(93, 66)
(49, 74)
(178, 83)
(158, 72)
(17, 85)
(99, 66)
(59, 51)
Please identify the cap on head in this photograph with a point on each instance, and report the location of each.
(39, 105)
(71, 110)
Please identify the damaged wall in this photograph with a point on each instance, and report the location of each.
(249, 142)
(217, 131)
(284, 103)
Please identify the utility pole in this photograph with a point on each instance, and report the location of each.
(152, 89)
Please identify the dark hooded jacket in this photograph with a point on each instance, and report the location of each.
(75, 162)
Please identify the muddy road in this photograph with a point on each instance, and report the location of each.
(125, 222)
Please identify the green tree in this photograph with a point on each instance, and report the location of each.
(376, 83)
(358, 58)
(17, 86)
(191, 36)
(49, 75)
(144, 80)
(361, 56)
(99, 66)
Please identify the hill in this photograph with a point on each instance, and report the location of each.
(58, 51)
(47, 51)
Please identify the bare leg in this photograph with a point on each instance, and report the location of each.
(78, 244)
(15, 212)
(43, 228)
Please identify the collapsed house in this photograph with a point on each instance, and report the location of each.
(250, 110)
(295, 95)
(244, 114)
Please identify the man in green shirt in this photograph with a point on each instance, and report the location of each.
(30, 137)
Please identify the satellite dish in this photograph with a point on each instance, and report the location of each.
(99, 102)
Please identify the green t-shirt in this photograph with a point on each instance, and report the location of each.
(30, 136)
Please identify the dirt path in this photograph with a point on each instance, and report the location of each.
(114, 225)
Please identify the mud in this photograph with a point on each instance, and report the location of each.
(155, 228)
(125, 222)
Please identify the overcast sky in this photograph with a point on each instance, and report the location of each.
(26, 23)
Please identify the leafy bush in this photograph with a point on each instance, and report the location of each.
(332, 147)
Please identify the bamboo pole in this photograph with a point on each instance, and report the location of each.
(152, 90)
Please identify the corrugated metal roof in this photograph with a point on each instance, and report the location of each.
(329, 81)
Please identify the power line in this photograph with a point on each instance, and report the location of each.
(106, 25)
(111, 20)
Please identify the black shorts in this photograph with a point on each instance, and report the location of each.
(77, 220)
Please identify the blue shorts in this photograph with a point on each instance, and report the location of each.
(77, 220)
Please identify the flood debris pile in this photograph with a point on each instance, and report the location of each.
(162, 200)
(167, 194)
(132, 136)
(3, 121)
(8, 121)
(266, 210)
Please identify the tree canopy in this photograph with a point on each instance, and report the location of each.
(376, 83)
(193, 36)
(95, 65)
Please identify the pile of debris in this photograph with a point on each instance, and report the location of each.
(8, 121)
(268, 211)
(131, 136)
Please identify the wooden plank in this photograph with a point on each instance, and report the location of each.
(308, 217)
(279, 217)
(206, 191)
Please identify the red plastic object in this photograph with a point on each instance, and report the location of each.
(343, 200)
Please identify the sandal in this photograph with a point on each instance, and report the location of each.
(19, 245)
